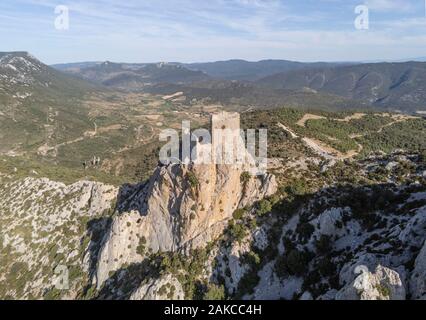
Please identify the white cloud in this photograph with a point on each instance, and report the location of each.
(191, 30)
(390, 5)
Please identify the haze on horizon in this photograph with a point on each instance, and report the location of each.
(195, 31)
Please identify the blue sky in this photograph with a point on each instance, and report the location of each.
(208, 30)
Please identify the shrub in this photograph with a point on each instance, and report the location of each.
(251, 258)
(238, 214)
(297, 262)
(245, 177)
(141, 247)
(214, 292)
(383, 290)
(323, 244)
(305, 230)
(263, 207)
(299, 187)
(326, 267)
(423, 156)
(281, 266)
(192, 179)
(237, 231)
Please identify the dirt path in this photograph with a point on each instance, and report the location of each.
(328, 152)
(293, 135)
(355, 116)
(45, 149)
(173, 96)
(308, 116)
(397, 118)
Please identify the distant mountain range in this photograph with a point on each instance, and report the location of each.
(227, 70)
(251, 71)
(386, 85)
(132, 76)
(21, 73)
(390, 86)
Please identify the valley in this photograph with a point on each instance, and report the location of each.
(344, 191)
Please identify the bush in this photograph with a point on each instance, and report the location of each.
(305, 230)
(238, 214)
(263, 207)
(245, 177)
(294, 263)
(281, 266)
(214, 292)
(251, 258)
(323, 244)
(237, 231)
(297, 262)
(142, 246)
(299, 187)
(326, 267)
(192, 179)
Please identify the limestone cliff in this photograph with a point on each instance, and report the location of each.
(185, 206)
(180, 208)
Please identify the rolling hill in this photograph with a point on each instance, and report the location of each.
(247, 94)
(251, 71)
(31, 95)
(393, 86)
(389, 86)
(133, 76)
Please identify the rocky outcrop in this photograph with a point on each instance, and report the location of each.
(418, 277)
(383, 284)
(43, 225)
(180, 208)
(164, 288)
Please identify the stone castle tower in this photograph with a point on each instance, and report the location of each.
(227, 145)
(223, 145)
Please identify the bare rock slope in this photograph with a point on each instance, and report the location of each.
(180, 208)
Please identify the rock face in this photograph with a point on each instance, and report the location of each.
(170, 214)
(383, 284)
(418, 278)
(182, 207)
(165, 288)
(42, 226)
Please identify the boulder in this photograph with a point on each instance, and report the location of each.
(166, 287)
(383, 284)
(418, 276)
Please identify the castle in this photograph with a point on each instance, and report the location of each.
(227, 144)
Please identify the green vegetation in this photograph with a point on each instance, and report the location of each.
(141, 248)
(294, 262)
(238, 214)
(188, 270)
(245, 177)
(373, 131)
(237, 231)
(214, 292)
(192, 179)
(22, 167)
(263, 207)
(383, 290)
